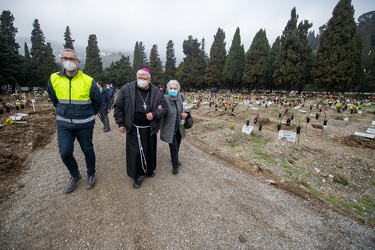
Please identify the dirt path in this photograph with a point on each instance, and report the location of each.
(208, 205)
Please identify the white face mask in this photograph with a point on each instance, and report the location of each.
(142, 83)
(69, 66)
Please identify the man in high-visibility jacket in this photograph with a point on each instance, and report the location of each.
(77, 100)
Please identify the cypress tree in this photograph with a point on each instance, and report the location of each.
(140, 57)
(256, 62)
(49, 60)
(93, 64)
(156, 66)
(274, 53)
(68, 39)
(27, 54)
(234, 63)
(170, 63)
(200, 65)
(306, 55)
(193, 53)
(137, 61)
(180, 72)
(11, 61)
(290, 66)
(216, 61)
(337, 64)
(366, 30)
(120, 72)
(41, 65)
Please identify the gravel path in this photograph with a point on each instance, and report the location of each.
(208, 205)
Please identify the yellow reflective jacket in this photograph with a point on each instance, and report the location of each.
(76, 100)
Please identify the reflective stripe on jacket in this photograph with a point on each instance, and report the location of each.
(74, 103)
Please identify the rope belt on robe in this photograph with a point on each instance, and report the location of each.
(142, 154)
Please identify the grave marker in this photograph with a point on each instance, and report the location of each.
(364, 135)
(33, 102)
(287, 136)
(247, 129)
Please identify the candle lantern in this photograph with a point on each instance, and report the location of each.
(317, 116)
(298, 130)
(288, 121)
(325, 122)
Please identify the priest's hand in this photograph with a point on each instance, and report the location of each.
(149, 116)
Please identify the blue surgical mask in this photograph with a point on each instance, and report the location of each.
(172, 92)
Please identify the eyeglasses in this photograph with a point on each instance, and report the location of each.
(69, 59)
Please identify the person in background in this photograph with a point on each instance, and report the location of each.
(111, 92)
(170, 125)
(138, 109)
(161, 87)
(106, 106)
(77, 100)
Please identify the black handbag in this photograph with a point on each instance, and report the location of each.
(188, 122)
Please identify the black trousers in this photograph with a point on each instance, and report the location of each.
(174, 148)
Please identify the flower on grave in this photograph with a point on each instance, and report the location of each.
(233, 105)
(338, 107)
(9, 121)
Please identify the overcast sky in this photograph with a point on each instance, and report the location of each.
(118, 24)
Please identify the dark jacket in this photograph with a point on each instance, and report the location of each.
(106, 99)
(125, 104)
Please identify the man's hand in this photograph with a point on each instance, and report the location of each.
(122, 129)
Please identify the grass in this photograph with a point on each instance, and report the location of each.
(232, 144)
(295, 158)
(365, 208)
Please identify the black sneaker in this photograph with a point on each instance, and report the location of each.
(72, 184)
(91, 181)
